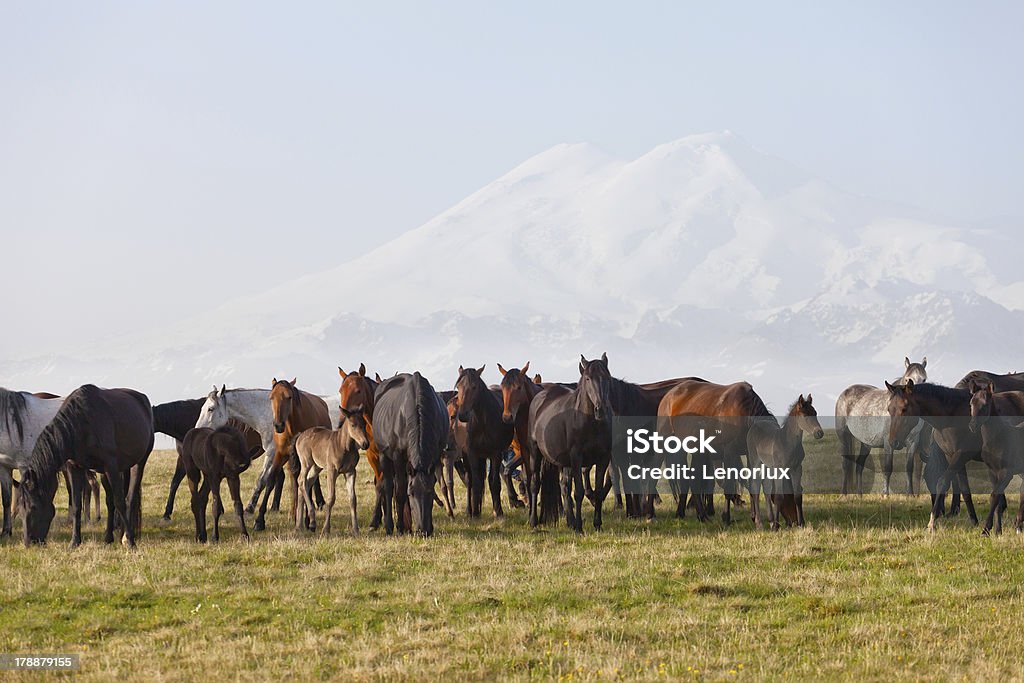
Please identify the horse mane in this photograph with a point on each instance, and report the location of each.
(422, 444)
(12, 404)
(939, 391)
(757, 406)
(61, 435)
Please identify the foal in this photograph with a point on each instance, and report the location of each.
(336, 452)
(216, 454)
(783, 446)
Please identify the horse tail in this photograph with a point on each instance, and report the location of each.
(550, 495)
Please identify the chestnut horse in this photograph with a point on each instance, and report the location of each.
(729, 410)
(488, 437)
(294, 411)
(517, 392)
(570, 429)
(356, 394)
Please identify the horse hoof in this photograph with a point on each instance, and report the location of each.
(259, 525)
(249, 509)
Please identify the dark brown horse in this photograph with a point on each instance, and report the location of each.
(294, 411)
(106, 430)
(1002, 439)
(213, 455)
(726, 410)
(488, 436)
(517, 392)
(570, 429)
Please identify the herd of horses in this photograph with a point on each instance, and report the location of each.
(549, 445)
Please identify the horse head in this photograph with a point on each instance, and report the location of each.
(214, 412)
(356, 391)
(902, 412)
(914, 371)
(981, 405)
(353, 422)
(468, 389)
(283, 399)
(595, 386)
(807, 417)
(35, 503)
(515, 392)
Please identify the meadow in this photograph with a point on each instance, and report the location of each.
(863, 592)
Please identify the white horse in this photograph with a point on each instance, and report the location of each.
(252, 407)
(862, 423)
(23, 417)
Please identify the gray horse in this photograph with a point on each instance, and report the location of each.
(862, 423)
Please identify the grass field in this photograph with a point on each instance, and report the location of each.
(863, 592)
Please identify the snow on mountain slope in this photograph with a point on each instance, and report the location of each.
(702, 256)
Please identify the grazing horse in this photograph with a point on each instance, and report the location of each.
(1002, 447)
(215, 455)
(639, 401)
(410, 427)
(356, 393)
(336, 452)
(176, 418)
(782, 446)
(106, 430)
(727, 410)
(862, 423)
(570, 429)
(948, 411)
(488, 436)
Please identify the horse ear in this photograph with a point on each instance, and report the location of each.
(604, 359)
(502, 370)
(481, 370)
(906, 362)
(891, 388)
(346, 413)
(809, 399)
(537, 379)
(924, 362)
(362, 370)
(342, 372)
(583, 365)
(462, 371)
(293, 381)
(273, 382)
(525, 368)
(223, 389)
(800, 400)
(991, 388)
(376, 377)
(909, 387)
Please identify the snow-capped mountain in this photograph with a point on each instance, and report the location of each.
(701, 257)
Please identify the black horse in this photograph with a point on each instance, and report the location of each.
(176, 418)
(106, 430)
(570, 429)
(215, 455)
(410, 427)
(488, 437)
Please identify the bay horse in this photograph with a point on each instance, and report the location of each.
(948, 411)
(639, 401)
(213, 455)
(334, 452)
(411, 429)
(488, 436)
(356, 393)
(782, 446)
(517, 393)
(727, 410)
(453, 452)
(570, 429)
(176, 419)
(862, 423)
(106, 430)
(1002, 447)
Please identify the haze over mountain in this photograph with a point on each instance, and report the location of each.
(701, 257)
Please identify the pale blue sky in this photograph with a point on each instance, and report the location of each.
(163, 145)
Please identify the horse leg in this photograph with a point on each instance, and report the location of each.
(445, 499)
(387, 494)
(197, 514)
(755, 506)
(202, 499)
(1020, 510)
(116, 491)
(494, 481)
(514, 501)
(943, 483)
(235, 489)
(965, 492)
(477, 466)
(448, 476)
(76, 480)
(798, 494)
(600, 475)
(862, 459)
(278, 485)
(7, 493)
(305, 507)
(108, 534)
(179, 474)
(218, 508)
(332, 492)
(616, 486)
(350, 482)
(134, 498)
(270, 469)
(579, 493)
(94, 487)
(565, 481)
(401, 493)
(887, 466)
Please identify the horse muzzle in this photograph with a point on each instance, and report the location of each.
(508, 418)
(279, 427)
(818, 434)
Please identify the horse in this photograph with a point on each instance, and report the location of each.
(411, 429)
(777, 446)
(488, 436)
(948, 411)
(356, 393)
(862, 424)
(215, 455)
(570, 429)
(1002, 448)
(336, 452)
(106, 430)
(517, 392)
(728, 410)
(252, 408)
(453, 452)
(176, 418)
(639, 401)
